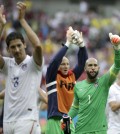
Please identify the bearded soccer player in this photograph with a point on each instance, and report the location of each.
(90, 95)
(60, 81)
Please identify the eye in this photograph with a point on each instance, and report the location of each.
(19, 45)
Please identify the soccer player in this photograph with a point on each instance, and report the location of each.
(113, 109)
(90, 95)
(23, 75)
(60, 80)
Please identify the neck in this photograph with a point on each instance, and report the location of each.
(91, 80)
(118, 83)
(19, 60)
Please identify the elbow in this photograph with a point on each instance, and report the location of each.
(46, 100)
(38, 55)
(113, 108)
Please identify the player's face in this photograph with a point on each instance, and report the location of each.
(17, 50)
(92, 68)
(64, 66)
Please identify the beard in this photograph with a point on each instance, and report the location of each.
(92, 76)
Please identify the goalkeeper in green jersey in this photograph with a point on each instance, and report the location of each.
(90, 95)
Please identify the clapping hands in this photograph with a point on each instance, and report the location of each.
(74, 37)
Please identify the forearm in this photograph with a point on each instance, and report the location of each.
(30, 33)
(82, 57)
(114, 70)
(55, 62)
(1, 30)
(117, 59)
(73, 112)
(38, 55)
(114, 105)
(2, 94)
(43, 95)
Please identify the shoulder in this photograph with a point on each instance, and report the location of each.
(113, 87)
(80, 83)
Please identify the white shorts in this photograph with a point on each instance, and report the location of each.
(22, 127)
(113, 131)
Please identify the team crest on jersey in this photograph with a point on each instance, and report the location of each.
(24, 67)
(80, 89)
(96, 84)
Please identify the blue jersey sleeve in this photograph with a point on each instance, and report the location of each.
(82, 57)
(54, 64)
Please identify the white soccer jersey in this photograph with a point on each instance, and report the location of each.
(21, 91)
(114, 117)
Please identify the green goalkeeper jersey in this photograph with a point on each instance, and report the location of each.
(90, 101)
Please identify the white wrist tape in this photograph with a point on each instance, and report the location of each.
(67, 43)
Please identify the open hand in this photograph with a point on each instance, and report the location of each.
(22, 9)
(2, 16)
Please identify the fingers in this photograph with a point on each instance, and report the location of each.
(80, 34)
(63, 126)
(115, 39)
(2, 16)
(1, 9)
(70, 29)
(21, 5)
(110, 35)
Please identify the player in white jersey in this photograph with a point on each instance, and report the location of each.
(23, 77)
(113, 108)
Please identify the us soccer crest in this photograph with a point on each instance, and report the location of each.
(96, 84)
(24, 67)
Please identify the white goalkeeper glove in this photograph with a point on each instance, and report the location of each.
(77, 39)
(69, 34)
(115, 40)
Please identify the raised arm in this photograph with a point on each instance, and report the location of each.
(82, 55)
(2, 25)
(37, 53)
(55, 62)
(114, 70)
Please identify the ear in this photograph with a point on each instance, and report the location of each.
(25, 45)
(85, 68)
(7, 48)
(59, 68)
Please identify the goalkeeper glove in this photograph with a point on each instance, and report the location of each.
(69, 34)
(115, 40)
(78, 39)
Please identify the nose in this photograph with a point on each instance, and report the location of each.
(16, 49)
(93, 67)
(66, 65)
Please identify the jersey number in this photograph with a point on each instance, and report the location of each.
(89, 99)
(16, 81)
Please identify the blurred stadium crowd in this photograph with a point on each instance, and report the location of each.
(52, 29)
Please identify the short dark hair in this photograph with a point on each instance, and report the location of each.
(13, 36)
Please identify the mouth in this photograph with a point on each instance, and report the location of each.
(65, 71)
(17, 54)
(93, 73)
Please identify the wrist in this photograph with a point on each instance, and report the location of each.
(116, 47)
(67, 43)
(82, 44)
(21, 20)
